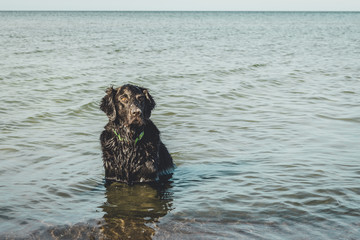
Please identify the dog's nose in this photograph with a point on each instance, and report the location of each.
(135, 111)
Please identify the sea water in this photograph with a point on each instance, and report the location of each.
(260, 111)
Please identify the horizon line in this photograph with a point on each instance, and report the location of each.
(73, 10)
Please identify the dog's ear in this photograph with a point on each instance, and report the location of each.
(108, 105)
(149, 103)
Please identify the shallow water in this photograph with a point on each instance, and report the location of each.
(260, 111)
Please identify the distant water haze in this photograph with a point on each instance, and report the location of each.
(183, 5)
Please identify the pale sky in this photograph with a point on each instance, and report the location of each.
(183, 5)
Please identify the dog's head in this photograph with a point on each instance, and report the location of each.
(128, 104)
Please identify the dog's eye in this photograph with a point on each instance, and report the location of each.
(124, 99)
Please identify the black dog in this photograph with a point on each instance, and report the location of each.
(131, 145)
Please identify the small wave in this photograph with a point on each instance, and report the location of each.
(348, 92)
(258, 65)
(229, 71)
(89, 185)
(85, 230)
(84, 109)
(37, 51)
(353, 120)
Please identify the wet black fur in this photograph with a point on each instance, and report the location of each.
(129, 109)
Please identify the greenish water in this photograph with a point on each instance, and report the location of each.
(260, 111)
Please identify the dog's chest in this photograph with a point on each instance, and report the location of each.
(130, 154)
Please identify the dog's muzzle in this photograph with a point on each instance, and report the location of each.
(135, 115)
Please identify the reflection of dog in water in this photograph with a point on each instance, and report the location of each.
(131, 145)
(132, 212)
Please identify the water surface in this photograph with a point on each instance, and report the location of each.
(260, 111)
